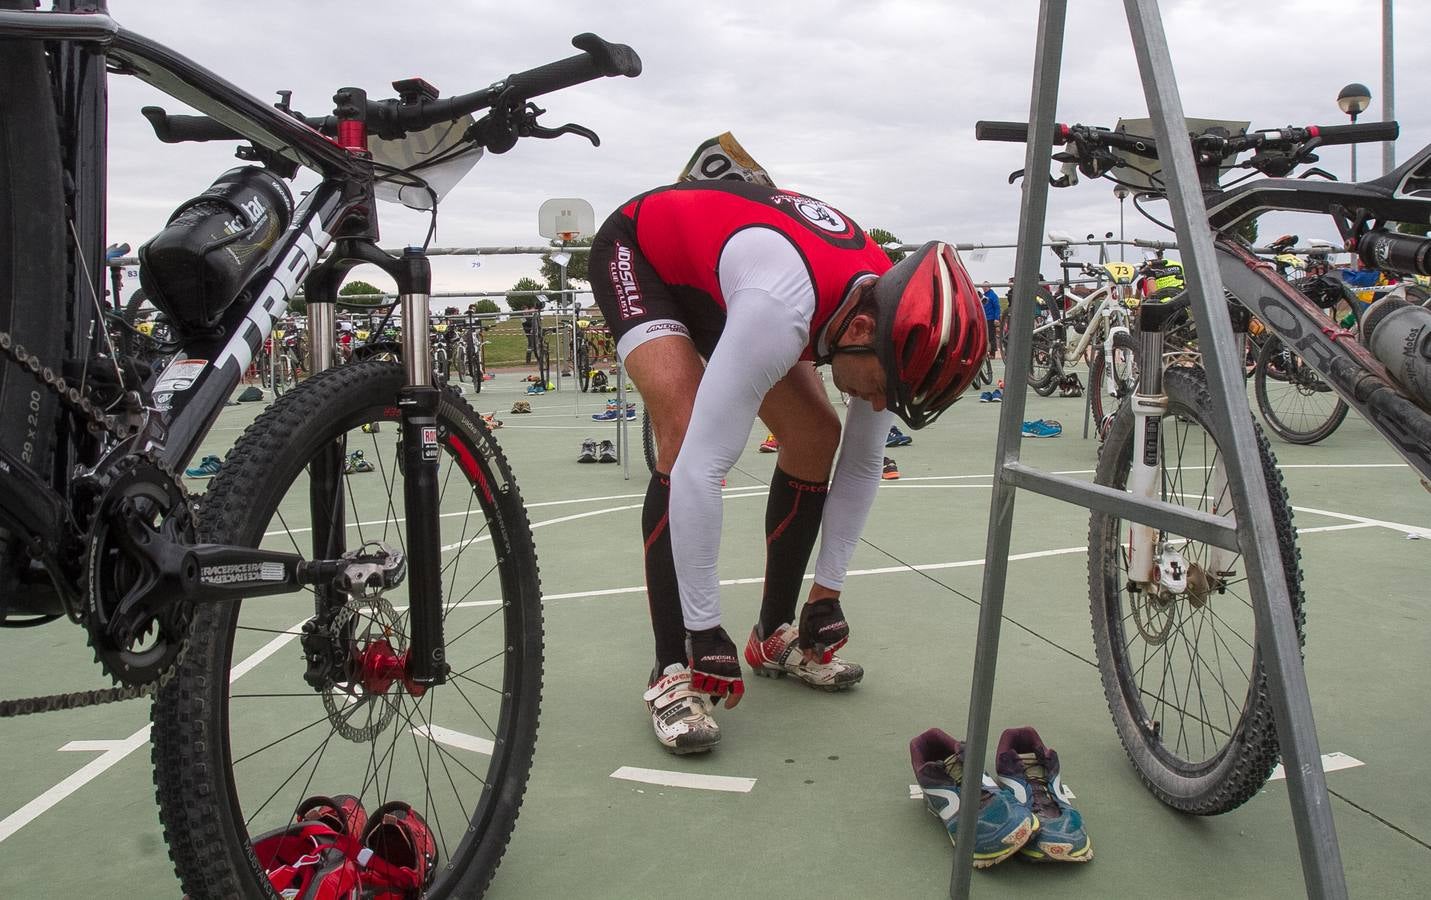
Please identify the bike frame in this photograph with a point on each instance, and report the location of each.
(337, 215)
(1300, 323)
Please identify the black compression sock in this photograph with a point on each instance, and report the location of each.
(792, 521)
(663, 595)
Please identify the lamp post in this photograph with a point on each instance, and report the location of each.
(1121, 193)
(1353, 100)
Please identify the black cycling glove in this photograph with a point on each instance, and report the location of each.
(715, 665)
(823, 629)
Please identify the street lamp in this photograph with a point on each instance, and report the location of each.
(1121, 192)
(1353, 100)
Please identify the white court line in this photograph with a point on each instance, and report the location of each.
(115, 751)
(454, 738)
(1394, 526)
(664, 778)
(1331, 762)
(96, 767)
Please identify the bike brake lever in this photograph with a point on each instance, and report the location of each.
(541, 131)
(1015, 175)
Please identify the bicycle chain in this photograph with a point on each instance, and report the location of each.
(97, 422)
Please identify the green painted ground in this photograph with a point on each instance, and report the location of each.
(830, 813)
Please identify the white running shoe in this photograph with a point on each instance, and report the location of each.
(680, 716)
(778, 656)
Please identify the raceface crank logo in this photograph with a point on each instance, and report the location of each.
(241, 572)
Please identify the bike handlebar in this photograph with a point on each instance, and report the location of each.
(397, 117)
(1222, 146)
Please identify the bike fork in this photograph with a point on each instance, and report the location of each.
(1150, 404)
(418, 402)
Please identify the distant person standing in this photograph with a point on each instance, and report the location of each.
(992, 316)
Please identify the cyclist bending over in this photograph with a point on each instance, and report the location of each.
(722, 297)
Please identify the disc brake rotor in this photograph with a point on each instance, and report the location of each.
(358, 712)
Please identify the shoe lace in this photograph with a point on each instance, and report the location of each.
(955, 765)
(1041, 795)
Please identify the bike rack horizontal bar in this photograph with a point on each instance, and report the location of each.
(1190, 523)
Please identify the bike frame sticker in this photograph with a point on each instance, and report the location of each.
(178, 377)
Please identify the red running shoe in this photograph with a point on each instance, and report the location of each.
(399, 854)
(310, 861)
(343, 813)
(770, 444)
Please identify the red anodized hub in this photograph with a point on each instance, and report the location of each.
(379, 665)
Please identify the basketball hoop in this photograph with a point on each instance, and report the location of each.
(569, 219)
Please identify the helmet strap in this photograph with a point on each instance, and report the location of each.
(831, 338)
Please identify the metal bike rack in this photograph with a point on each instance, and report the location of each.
(1253, 535)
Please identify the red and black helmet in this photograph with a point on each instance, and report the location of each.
(930, 336)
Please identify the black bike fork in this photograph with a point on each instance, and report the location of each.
(419, 455)
(418, 400)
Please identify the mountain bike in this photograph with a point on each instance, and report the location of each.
(472, 355)
(1176, 640)
(1100, 324)
(409, 669)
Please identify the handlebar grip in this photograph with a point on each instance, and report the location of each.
(1404, 253)
(1013, 132)
(1362, 133)
(599, 59)
(177, 129)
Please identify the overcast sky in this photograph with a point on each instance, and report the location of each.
(869, 106)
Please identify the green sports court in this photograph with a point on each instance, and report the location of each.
(813, 793)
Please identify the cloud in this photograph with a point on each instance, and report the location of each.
(868, 106)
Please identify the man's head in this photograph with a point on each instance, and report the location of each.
(913, 339)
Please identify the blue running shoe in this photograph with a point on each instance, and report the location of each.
(610, 415)
(1029, 769)
(208, 468)
(997, 396)
(1042, 429)
(1005, 824)
(897, 438)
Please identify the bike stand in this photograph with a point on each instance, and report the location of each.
(1253, 534)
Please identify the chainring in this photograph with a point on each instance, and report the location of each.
(137, 623)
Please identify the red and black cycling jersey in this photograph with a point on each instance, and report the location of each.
(682, 229)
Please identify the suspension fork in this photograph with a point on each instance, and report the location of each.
(1150, 404)
(327, 501)
(418, 401)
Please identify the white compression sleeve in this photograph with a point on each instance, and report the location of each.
(764, 335)
(852, 490)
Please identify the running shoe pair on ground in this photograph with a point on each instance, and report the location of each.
(333, 849)
(681, 705)
(1042, 428)
(592, 452)
(1024, 809)
(994, 396)
(613, 411)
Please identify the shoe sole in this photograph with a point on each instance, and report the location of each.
(690, 749)
(1057, 853)
(832, 688)
(1013, 842)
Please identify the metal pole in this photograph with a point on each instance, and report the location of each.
(1276, 631)
(1388, 86)
(1049, 52)
(1353, 153)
